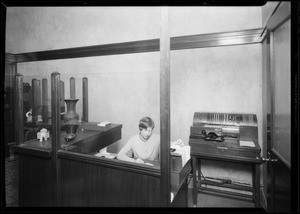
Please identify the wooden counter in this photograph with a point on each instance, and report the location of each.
(87, 180)
(92, 181)
(36, 168)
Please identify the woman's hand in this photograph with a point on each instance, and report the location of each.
(138, 160)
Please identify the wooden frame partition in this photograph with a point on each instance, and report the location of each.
(10, 68)
(278, 168)
(90, 181)
(165, 108)
(43, 188)
(250, 36)
(56, 144)
(19, 125)
(45, 99)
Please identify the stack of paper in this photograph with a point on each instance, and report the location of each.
(104, 123)
(104, 153)
(184, 151)
(247, 143)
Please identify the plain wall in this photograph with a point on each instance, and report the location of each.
(124, 88)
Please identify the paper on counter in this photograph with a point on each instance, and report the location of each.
(103, 124)
(184, 151)
(103, 153)
(247, 143)
(98, 154)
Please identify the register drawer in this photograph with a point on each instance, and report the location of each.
(218, 150)
(178, 176)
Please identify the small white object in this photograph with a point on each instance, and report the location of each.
(43, 134)
(247, 143)
(110, 156)
(179, 142)
(29, 116)
(39, 119)
(29, 119)
(29, 113)
(184, 151)
(172, 196)
(104, 123)
(103, 153)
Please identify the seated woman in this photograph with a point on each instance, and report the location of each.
(145, 145)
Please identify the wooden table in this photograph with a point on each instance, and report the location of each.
(227, 151)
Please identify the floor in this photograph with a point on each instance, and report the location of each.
(217, 200)
(11, 183)
(205, 200)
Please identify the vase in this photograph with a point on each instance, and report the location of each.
(71, 119)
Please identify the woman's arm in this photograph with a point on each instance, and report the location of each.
(122, 155)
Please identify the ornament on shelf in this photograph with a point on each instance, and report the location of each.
(71, 119)
(43, 134)
(29, 116)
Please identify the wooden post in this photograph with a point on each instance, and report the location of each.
(165, 108)
(45, 100)
(38, 99)
(19, 117)
(72, 88)
(62, 96)
(85, 105)
(34, 100)
(55, 115)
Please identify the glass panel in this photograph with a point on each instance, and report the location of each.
(282, 94)
(37, 110)
(113, 87)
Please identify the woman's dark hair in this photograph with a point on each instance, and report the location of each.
(146, 122)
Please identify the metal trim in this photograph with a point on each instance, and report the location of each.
(249, 36)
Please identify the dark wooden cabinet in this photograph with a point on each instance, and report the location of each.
(9, 121)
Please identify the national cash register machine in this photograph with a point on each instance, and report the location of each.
(225, 137)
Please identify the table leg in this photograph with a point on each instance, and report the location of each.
(257, 185)
(199, 173)
(195, 188)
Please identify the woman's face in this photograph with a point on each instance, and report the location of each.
(146, 133)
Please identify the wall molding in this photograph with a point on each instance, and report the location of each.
(250, 36)
(10, 58)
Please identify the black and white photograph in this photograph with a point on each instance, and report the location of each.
(184, 108)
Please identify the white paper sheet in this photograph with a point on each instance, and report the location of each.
(184, 151)
(247, 143)
(105, 154)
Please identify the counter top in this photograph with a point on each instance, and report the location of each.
(44, 148)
